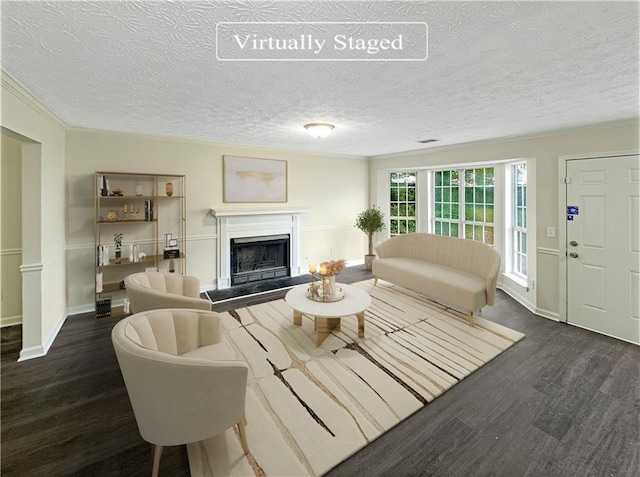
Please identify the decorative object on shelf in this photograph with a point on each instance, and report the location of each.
(104, 187)
(103, 307)
(148, 210)
(102, 255)
(172, 267)
(139, 189)
(141, 256)
(370, 221)
(322, 286)
(126, 306)
(117, 192)
(246, 179)
(171, 249)
(169, 189)
(112, 216)
(99, 282)
(131, 210)
(117, 239)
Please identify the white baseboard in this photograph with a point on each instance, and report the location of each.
(530, 306)
(10, 321)
(31, 352)
(40, 351)
(517, 297)
(78, 310)
(547, 314)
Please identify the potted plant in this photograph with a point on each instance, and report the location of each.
(117, 239)
(370, 221)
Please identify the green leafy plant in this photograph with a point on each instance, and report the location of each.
(370, 221)
(117, 239)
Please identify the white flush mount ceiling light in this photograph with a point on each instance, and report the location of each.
(319, 129)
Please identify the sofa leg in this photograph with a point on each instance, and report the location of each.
(471, 318)
(375, 281)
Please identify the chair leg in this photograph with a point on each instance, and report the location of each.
(471, 318)
(157, 453)
(375, 281)
(243, 435)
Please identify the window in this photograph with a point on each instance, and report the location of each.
(519, 220)
(464, 204)
(402, 203)
(447, 203)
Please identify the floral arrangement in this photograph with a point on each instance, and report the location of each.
(324, 289)
(328, 269)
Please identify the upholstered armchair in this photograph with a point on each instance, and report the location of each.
(182, 379)
(156, 290)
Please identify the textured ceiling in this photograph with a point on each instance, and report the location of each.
(494, 69)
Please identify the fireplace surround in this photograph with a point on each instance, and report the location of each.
(236, 223)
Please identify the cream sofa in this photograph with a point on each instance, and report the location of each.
(156, 290)
(457, 272)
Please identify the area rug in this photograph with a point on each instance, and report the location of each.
(309, 408)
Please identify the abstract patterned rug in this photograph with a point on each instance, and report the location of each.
(310, 408)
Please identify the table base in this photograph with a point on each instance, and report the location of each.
(324, 326)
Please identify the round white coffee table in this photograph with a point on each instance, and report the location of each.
(327, 314)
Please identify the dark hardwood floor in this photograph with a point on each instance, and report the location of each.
(562, 402)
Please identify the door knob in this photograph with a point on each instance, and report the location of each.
(573, 255)
(573, 243)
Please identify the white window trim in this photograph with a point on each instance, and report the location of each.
(509, 234)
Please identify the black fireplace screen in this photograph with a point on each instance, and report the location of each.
(259, 258)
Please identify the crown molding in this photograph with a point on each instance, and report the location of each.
(275, 152)
(19, 91)
(506, 139)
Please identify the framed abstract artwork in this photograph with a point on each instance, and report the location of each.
(247, 179)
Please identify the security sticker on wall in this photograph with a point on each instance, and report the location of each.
(572, 210)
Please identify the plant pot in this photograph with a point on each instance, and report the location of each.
(118, 256)
(368, 261)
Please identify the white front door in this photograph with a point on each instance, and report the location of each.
(603, 245)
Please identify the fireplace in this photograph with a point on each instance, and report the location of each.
(259, 258)
(234, 223)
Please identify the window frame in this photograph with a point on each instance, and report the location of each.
(462, 222)
(404, 222)
(519, 266)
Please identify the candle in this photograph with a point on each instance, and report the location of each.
(323, 270)
(312, 268)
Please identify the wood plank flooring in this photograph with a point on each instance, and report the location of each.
(562, 402)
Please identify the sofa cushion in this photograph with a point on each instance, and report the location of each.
(446, 284)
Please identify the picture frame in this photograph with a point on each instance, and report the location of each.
(249, 179)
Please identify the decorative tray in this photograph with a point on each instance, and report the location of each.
(316, 294)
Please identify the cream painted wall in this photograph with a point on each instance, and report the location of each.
(43, 267)
(333, 188)
(544, 149)
(11, 231)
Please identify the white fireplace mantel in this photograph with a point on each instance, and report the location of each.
(255, 222)
(231, 212)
